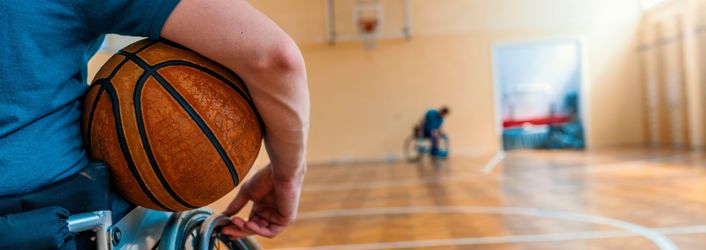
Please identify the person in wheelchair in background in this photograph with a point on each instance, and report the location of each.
(45, 173)
(430, 128)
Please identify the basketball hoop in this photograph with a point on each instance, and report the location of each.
(368, 25)
(368, 16)
(368, 30)
(368, 21)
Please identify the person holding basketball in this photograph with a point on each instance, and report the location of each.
(430, 127)
(45, 48)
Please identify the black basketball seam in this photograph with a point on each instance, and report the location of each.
(141, 129)
(146, 144)
(110, 90)
(190, 111)
(175, 45)
(247, 96)
(202, 125)
(243, 93)
(88, 140)
(87, 137)
(146, 46)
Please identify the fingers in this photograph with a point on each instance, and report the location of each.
(234, 233)
(237, 229)
(255, 225)
(238, 203)
(274, 217)
(266, 221)
(263, 227)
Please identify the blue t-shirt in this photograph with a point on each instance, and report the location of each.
(432, 120)
(44, 50)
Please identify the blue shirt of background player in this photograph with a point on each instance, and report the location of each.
(432, 121)
(44, 50)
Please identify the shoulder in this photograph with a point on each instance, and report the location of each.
(432, 112)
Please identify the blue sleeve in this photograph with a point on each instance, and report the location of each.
(52, 233)
(125, 17)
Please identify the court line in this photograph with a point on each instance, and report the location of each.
(593, 168)
(630, 229)
(517, 239)
(497, 158)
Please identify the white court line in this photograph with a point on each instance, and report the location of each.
(516, 239)
(497, 158)
(630, 229)
(604, 167)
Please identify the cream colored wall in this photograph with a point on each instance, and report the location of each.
(364, 102)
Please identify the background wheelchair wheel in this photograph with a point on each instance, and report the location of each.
(414, 149)
(443, 147)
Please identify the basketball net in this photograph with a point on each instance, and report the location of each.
(368, 28)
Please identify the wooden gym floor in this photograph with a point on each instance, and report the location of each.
(613, 199)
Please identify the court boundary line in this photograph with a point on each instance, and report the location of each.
(497, 158)
(629, 229)
(489, 240)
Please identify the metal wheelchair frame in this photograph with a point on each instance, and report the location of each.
(147, 228)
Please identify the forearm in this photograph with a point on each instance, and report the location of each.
(285, 112)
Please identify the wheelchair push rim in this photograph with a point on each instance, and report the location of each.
(416, 147)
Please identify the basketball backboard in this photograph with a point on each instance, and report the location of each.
(368, 20)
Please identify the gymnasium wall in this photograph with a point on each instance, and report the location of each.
(365, 102)
(673, 60)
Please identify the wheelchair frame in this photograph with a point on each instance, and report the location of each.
(146, 228)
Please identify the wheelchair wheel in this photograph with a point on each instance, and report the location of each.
(211, 238)
(443, 147)
(415, 148)
(184, 233)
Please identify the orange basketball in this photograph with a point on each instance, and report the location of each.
(178, 130)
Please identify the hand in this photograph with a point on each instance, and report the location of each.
(274, 206)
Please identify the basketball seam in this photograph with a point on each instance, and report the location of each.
(100, 82)
(192, 113)
(146, 46)
(145, 141)
(242, 92)
(89, 126)
(124, 147)
(245, 93)
(146, 144)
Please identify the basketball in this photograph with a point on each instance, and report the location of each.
(178, 130)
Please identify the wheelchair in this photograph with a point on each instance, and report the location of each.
(416, 146)
(143, 228)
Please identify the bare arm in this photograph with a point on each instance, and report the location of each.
(235, 34)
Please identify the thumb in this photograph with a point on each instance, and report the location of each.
(238, 203)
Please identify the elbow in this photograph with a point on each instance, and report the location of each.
(283, 58)
(282, 70)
